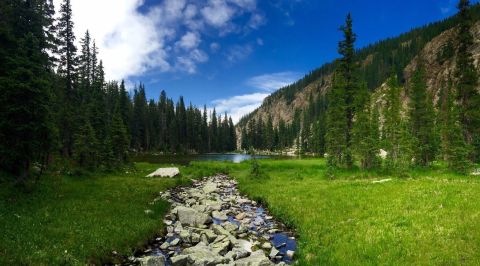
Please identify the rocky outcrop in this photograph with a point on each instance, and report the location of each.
(212, 224)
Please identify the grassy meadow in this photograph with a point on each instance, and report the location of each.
(74, 220)
(426, 217)
(429, 218)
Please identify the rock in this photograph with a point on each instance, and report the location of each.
(153, 261)
(221, 247)
(257, 258)
(212, 205)
(165, 245)
(230, 227)
(290, 253)
(241, 216)
(185, 236)
(209, 187)
(195, 238)
(180, 260)
(273, 252)
(191, 217)
(202, 254)
(267, 245)
(175, 242)
(382, 181)
(165, 172)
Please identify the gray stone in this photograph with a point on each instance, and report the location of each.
(241, 216)
(165, 172)
(219, 216)
(191, 217)
(175, 242)
(152, 261)
(290, 253)
(257, 258)
(273, 252)
(209, 187)
(165, 245)
(267, 245)
(202, 254)
(180, 260)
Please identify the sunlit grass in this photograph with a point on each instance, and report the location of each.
(75, 220)
(430, 217)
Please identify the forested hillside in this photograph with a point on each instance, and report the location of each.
(415, 96)
(56, 106)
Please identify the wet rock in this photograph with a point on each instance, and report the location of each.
(175, 242)
(153, 261)
(241, 216)
(189, 216)
(219, 216)
(202, 254)
(257, 258)
(267, 245)
(290, 253)
(180, 260)
(209, 188)
(273, 253)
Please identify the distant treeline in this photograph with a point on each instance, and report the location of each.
(56, 106)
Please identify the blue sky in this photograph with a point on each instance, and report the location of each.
(230, 54)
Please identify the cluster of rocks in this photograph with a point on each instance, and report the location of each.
(212, 224)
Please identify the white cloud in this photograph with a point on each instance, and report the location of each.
(238, 106)
(217, 13)
(241, 105)
(274, 81)
(239, 52)
(166, 37)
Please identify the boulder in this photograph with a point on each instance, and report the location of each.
(165, 172)
(180, 260)
(153, 261)
(257, 258)
(202, 254)
(209, 187)
(219, 216)
(189, 216)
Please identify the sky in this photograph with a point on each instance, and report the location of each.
(231, 54)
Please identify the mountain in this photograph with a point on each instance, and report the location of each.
(435, 43)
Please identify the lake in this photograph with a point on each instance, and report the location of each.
(186, 159)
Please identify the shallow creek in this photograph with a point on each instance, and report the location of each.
(211, 223)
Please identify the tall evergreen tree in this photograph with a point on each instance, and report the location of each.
(422, 119)
(336, 142)
(26, 129)
(467, 76)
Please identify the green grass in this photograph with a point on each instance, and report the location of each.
(75, 220)
(430, 218)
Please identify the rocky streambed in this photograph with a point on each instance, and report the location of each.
(210, 223)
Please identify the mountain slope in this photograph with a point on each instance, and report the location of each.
(434, 42)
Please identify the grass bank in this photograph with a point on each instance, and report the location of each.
(74, 220)
(430, 218)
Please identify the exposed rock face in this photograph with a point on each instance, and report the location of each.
(212, 224)
(165, 172)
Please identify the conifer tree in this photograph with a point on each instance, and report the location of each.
(67, 69)
(467, 76)
(336, 142)
(26, 128)
(422, 119)
(365, 131)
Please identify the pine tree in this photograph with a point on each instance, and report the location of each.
(422, 119)
(119, 138)
(336, 142)
(347, 67)
(365, 131)
(454, 147)
(467, 76)
(26, 129)
(86, 145)
(67, 70)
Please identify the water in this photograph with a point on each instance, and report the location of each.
(186, 159)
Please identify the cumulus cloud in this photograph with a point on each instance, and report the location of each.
(165, 37)
(239, 52)
(274, 81)
(238, 106)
